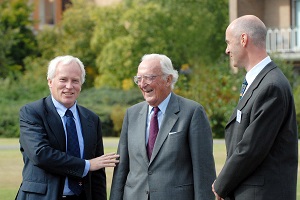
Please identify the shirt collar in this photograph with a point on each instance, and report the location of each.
(251, 75)
(61, 109)
(162, 106)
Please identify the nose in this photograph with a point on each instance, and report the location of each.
(227, 51)
(69, 84)
(142, 82)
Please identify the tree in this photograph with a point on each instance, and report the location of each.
(187, 32)
(136, 32)
(5, 45)
(72, 37)
(18, 40)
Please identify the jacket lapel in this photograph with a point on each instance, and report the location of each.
(55, 123)
(141, 129)
(242, 103)
(168, 122)
(86, 125)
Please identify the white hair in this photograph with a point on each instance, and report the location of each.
(65, 60)
(165, 64)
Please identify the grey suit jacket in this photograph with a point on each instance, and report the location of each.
(262, 146)
(182, 164)
(43, 146)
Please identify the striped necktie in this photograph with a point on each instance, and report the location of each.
(244, 86)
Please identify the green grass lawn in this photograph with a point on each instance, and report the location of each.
(11, 165)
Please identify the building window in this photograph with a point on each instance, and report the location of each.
(297, 13)
(47, 12)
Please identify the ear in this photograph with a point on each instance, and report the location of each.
(244, 39)
(169, 80)
(50, 83)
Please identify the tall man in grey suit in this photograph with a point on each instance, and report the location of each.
(49, 167)
(181, 165)
(261, 135)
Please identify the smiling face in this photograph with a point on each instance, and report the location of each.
(235, 48)
(160, 87)
(236, 44)
(65, 86)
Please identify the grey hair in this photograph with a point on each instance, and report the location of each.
(252, 26)
(64, 60)
(165, 64)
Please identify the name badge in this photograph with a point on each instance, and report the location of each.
(238, 116)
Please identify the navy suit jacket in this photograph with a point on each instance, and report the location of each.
(46, 163)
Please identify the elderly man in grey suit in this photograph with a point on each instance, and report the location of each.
(173, 160)
(53, 168)
(261, 135)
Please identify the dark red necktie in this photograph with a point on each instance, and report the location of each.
(152, 132)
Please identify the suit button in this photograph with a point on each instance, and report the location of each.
(147, 192)
(150, 172)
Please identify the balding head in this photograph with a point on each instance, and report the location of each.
(253, 27)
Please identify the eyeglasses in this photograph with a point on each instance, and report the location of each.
(147, 78)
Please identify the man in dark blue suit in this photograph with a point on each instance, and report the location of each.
(49, 167)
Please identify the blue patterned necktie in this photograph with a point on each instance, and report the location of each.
(244, 85)
(152, 132)
(72, 149)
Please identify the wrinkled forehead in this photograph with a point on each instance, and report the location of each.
(149, 67)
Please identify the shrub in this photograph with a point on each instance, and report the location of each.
(117, 115)
(9, 120)
(110, 105)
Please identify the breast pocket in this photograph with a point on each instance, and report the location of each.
(176, 140)
(175, 134)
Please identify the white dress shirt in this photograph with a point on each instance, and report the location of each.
(251, 75)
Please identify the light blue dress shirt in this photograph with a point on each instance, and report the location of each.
(160, 116)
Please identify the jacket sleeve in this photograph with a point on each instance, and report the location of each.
(201, 147)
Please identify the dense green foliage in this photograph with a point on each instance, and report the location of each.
(110, 105)
(110, 41)
(190, 34)
(17, 39)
